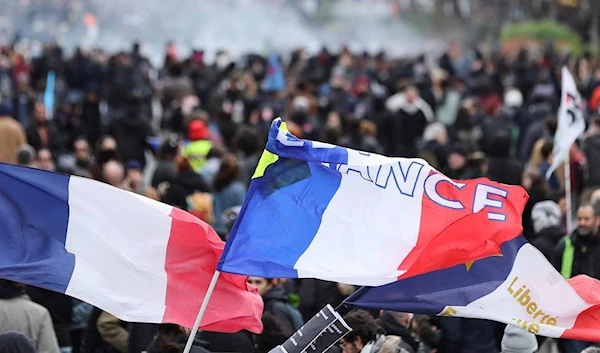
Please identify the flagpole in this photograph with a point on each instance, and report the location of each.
(568, 194)
(209, 292)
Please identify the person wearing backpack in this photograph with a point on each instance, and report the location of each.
(277, 302)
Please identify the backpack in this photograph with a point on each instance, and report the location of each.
(293, 314)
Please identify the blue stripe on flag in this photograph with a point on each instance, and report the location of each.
(34, 215)
(432, 292)
(269, 239)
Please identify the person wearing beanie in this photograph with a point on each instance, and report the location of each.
(516, 340)
(12, 135)
(16, 342)
(547, 217)
(196, 151)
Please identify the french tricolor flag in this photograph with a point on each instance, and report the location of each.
(316, 210)
(134, 257)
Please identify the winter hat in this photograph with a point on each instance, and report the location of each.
(516, 340)
(16, 342)
(545, 214)
(197, 130)
(513, 98)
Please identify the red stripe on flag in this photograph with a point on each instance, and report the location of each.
(587, 325)
(193, 251)
(449, 237)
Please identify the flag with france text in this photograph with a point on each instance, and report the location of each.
(315, 210)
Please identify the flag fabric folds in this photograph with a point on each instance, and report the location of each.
(519, 288)
(131, 256)
(571, 123)
(324, 211)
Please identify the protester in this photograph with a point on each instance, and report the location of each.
(546, 217)
(229, 191)
(12, 135)
(171, 339)
(365, 336)
(19, 313)
(469, 112)
(276, 303)
(398, 324)
(274, 334)
(577, 254)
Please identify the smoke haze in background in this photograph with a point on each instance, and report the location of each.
(239, 26)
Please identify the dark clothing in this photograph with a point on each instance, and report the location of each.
(505, 170)
(165, 171)
(275, 303)
(197, 347)
(16, 342)
(35, 140)
(535, 196)
(131, 134)
(361, 143)
(586, 259)
(553, 182)
(393, 327)
(185, 184)
(140, 336)
(60, 307)
(591, 148)
(228, 342)
(547, 239)
(315, 294)
(404, 129)
(92, 340)
(461, 335)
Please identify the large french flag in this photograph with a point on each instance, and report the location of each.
(136, 258)
(519, 287)
(324, 211)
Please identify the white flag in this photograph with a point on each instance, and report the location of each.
(570, 121)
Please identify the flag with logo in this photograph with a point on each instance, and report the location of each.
(571, 123)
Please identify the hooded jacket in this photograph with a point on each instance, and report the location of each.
(275, 303)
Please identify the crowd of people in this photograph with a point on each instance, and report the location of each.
(190, 134)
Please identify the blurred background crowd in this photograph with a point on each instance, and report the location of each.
(185, 123)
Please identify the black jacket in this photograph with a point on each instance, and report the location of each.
(228, 342)
(461, 335)
(60, 307)
(505, 170)
(131, 134)
(140, 336)
(547, 239)
(315, 294)
(393, 327)
(586, 260)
